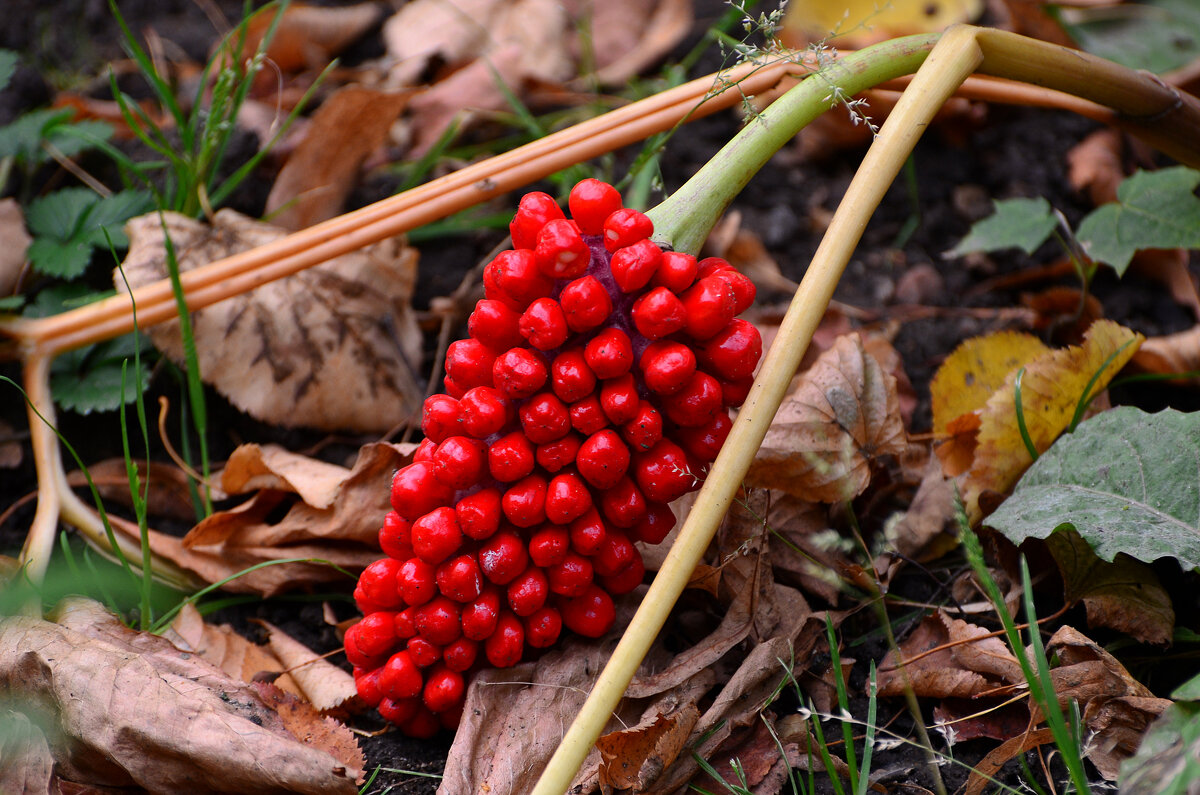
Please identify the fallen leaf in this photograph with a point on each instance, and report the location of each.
(14, 241)
(1169, 267)
(1095, 165)
(132, 710)
(985, 771)
(252, 467)
(308, 36)
(843, 416)
(1125, 594)
(920, 532)
(168, 493)
(323, 684)
(26, 764)
(756, 753)
(950, 672)
(629, 36)
(333, 347)
(226, 649)
(634, 758)
(310, 727)
(1118, 726)
(805, 550)
(1171, 354)
(349, 126)
(854, 23)
(425, 31)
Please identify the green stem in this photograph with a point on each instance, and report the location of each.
(684, 220)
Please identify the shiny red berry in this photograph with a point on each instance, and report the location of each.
(561, 251)
(733, 352)
(440, 417)
(416, 490)
(513, 278)
(544, 418)
(587, 415)
(624, 504)
(503, 557)
(635, 265)
(443, 689)
(567, 498)
(626, 227)
(544, 324)
(603, 459)
(495, 324)
(619, 399)
(659, 313)
(662, 472)
(436, 535)
(587, 533)
(423, 651)
(704, 442)
(571, 576)
(734, 393)
(479, 514)
(710, 305)
(519, 373)
(655, 524)
(696, 403)
(395, 537)
(524, 503)
(585, 304)
(378, 583)
(534, 211)
(570, 377)
(609, 354)
(367, 684)
(543, 627)
(460, 578)
(645, 429)
(416, 582)
(398, 711)
(528, 591)
(614, 554)
(438, 620)
(666, 366)
(469, 363)
(591, 202)
(560, 453)
(459, 462)
(460, 655)
(743, 289)
(400, 678)
(511, 457)
(484, 411)
(590, 614)
(405, 623)
(627, 579)
(676, 272)
(506, 645)
(479, 618)
(549, 545)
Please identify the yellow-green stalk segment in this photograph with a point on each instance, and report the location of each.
(681, 220)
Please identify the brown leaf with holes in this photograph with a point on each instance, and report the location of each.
(843, 416)
(634, 757)
(131, 710)
(333, 347)
(349, 126)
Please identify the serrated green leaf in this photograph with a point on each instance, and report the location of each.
(1168, 760)
(1127, 481)
(1156, 35)
(22, 138)
(1016, 223)
(8, 65)
(61, 297)
(60, 215)
(1154, 209)
(97, 388)
(63, 259)
(76, 137)
(110, 214)
(1188, 691)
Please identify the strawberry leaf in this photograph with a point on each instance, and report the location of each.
(1017, 223)
(1115, 482)
(8, 65)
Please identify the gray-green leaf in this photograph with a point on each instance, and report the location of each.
(1127, 481)
(1154, 209)
(8, 65)
(1168, 760)
(1157, 35)
(1016, 223)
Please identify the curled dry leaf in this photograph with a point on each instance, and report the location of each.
(349, 126)
(1170, 354)
(953, 672)
(14, 240)
(323, 684)
(1095, 165)
(309, 36)
(333, 347)
(634, 758)
(226, 649)
(310, 727)
(132, 710)
(920, 533)
(842, 417)
(26, 764)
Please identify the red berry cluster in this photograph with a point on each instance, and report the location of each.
(593, 391)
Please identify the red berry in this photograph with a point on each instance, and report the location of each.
(543, 627)
(496, 324)
(619, 399)
(525, 502)
(634, 266)
(744, 290)
(469, 363)
(549, 545)
(378, 583)
(676, 272)
(436, 535)
(545, 418)
(425, 450)
(365, 605)
(374, 635)
(423, 652)
(697, 403)
(459, 462)
(587, 415)
(395, 537)
(439, 620)
(704, 442)
(405, 623)
(710, 305)
(567, 498)
(587, 533)
(645, 429)
(626, 227)
(662, 472)
(367, 684)
(585, 304)
(503, 557)
(443, 689)
(609, 354)
(603, 459)
(733, 353)
(734, 393)
(484, 411)
(624, 504)
(513, 279)
(590, 614)
(626, 580)
(570, 377)
(396, 711)
(659, 313)
(519, 372)
(400, 678)
(357, 656)
(416, 582)
(528, 591)
(666, 366)
(479, 618)
(561, 252)
(506, 645)
(570, 577)
(544, 324)
(423, 724)
(416, 490)
(511, 457)
(555, 455)
(591, 202)
(534, 211)
(655, 524)
(614, 554)
(710, 265)
(460, 578)
(460, 655)
(440, 417)
(479, 514)
(453, 389)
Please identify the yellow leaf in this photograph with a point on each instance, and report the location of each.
(856, 18)
(1051, 388)
(975, 370)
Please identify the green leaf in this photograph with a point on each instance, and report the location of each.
(1168, 760)
(71, 139)
(1017, 223)
(1188, 691)
(95, 386)
(1154, 209)
(1157, 35)
(8, 65)
(11, 303)
(1127, 481)
(109, 216)
(59, 215)
(22, 138)
(63, 259)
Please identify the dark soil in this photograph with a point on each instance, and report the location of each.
(1006, 153)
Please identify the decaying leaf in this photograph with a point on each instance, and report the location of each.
(958, 671)
(1170, 354)
(843, 416)
(306, 723)
(132, 710)
(920, 533)
(349, 126)
(14, 240)
(1096, 167)
(168, 494)
(635, 757)
(323, 684)
(333, 347)
(309, 36)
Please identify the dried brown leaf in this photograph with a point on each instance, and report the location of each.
(1117, 727)
(349, 126)
(308, 36)
(226, 649)
(323, 684)
(629, 36)
(26, 764)
(984, 773)
(333, 347)
(14, 241)
(425, 31)
(843, 416)
(135, 711)
(805, 551)
(635, 757)
(310, 727)
(936, 674)
(168, 492)
(10, 449)
(1095, 165)
(920, 534)
(252, 467)
(1169, 267)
